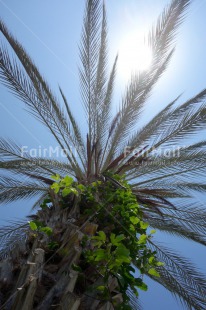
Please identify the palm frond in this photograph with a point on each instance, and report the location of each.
(9, 150)
(39, 166)
(157, 170)
(180, 277)
(29, 86)
(89, 55)
(106, 109)
(13, 190)
(141, 84)
(101, 78)
(162, 35)
(185, 228)
(145, 134)
(194, 170)
(13, 158)
(96, 87)
(11, 236)
(185, 126)
(134, 302)
(136, 96)
(38, 81)
(105, 117)
(164, 192)
(174, 125)
(78, 140)
(192, 155)
(191, 209)
(184, 218)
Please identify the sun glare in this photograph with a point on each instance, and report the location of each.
(134, 55)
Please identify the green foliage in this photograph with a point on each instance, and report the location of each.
(76, 268)
(33, 225)
(153, 272)
(47, 230)
(113, 250)
(39, 227)
(63, 185)
(53, 245)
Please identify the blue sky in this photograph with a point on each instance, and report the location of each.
(50, 31)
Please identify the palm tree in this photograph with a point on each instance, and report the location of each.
(112, 146)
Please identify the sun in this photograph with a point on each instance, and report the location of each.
(134, 55)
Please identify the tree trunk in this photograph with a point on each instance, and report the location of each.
(40, 278)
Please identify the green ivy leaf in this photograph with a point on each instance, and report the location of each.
(33, 225)
(101, 236)
(97, 244)
(100, 255)
(144, 225)
(55, 187)
(76, 268)
(47, 230)
(140, 284)
(115, 240)
(134, 206)
(55, 177)
(67, 181)
(153, 231)
(53, 245)
(143, 287)
(120, 279)
(142, 239)
(74, 191)
(122, 254)
(160, 264)
(132, 228)
(81, 187)
(134, 220)
(66, 191)
(101, 288)
(151, 260)
(153, 272)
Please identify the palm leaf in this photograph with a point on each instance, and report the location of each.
(13, 190)
(180, 277)
(186, 162)
(134, 302)
(131, 107)
(39, 166)
(100, 81)
(174, 125)
(141, 84)
(42, 88)
(12, 158)
(106, 115)
(159, 164)
(185, 228)
(11, 236)
(78, 140)
(29, 86)
(89, 55)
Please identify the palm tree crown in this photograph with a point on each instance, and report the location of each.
(113, 144)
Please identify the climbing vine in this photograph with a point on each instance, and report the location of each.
(120, 241)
